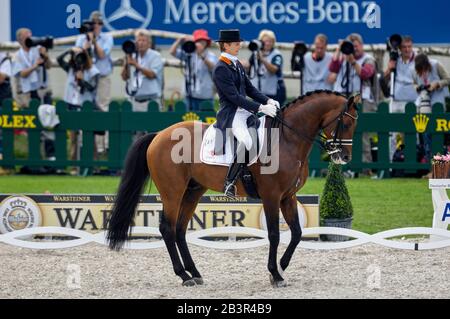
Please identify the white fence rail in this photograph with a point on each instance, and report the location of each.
(441, 238)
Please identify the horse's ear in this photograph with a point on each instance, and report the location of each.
(354, 100)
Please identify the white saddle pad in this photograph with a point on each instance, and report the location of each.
(208, 156)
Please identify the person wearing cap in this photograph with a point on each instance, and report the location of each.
(202, 63)
(233, 87)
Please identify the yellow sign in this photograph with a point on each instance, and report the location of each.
(18, 121)
(91, 212)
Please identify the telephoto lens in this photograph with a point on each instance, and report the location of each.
(129, 47)
(347, 48)
(255, 45)
(189, 47)
(46, 42)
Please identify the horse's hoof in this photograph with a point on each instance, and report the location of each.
(189, 283)
(277, 284)
(198, 281)
(280, 284)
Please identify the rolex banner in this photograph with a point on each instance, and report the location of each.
(91, 212)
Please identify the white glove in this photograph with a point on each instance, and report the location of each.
(274, 103)
(270, 110)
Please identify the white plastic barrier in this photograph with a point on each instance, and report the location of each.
(21, 238)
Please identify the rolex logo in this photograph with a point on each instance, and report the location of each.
(421, 122)
(191, 117)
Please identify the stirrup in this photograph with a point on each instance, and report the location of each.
(230, 190)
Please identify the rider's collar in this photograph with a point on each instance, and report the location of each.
(228, 58)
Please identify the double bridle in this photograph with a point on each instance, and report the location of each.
(333, 145)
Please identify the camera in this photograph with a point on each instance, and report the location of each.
(393, 46)
(79, 60)
(129, 47)
(86, 27)
(46, 42)
(347, 48)
(297, 61)
(256, 45)
(425, 98)
(189, 47)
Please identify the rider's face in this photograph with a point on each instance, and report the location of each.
(233, 48)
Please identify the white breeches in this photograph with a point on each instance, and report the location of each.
(240, 130)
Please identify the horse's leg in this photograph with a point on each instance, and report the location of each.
(290, 213)
(272, 210)
(188, 205)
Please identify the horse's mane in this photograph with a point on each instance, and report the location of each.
(305, 97)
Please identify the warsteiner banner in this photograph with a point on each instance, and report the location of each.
(91, 212)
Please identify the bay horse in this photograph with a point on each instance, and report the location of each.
(182, 185)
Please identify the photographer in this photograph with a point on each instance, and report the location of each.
(431, 81)
(316, 72)
(199, 64)
(266, 67)
(144, 71)
(30, 69)
(81, 87)
(404, 91)
(5, 85)
(430, 75)
(353, 71)
(99, 45)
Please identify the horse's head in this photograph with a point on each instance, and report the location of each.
(339, 128)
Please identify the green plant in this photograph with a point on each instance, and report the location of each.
(335, 202)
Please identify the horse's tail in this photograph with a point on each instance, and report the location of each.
(134, 177)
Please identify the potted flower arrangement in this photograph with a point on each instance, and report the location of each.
(440, 166)
(336, 209)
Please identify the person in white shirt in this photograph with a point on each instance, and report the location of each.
(404, 91)
(316, 75)
(30, 67)
(99, 45)
(198, 74)
(81, 86)
(145, 73)
(5, 84)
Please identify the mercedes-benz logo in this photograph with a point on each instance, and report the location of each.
(127, 11)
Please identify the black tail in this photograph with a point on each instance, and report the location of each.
(134, 177)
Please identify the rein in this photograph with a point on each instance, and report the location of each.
(331, 146)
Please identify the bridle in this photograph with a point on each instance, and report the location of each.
(333, 145)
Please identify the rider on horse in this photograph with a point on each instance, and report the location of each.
(233, 87)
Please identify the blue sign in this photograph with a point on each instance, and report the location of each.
(446, 213)
(291, 20)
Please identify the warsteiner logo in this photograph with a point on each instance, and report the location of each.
(17, 213)
(421, 122)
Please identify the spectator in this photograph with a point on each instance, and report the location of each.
(81, 87)
(316, 75)
(404, 91)
(199, 73)
(147, 77)
(99, 46)
(5, 85)
(30, 69)
(361, 70)
(268, 75)
(431, 74)
(431, 81)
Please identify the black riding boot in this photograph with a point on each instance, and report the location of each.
(234, 173)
